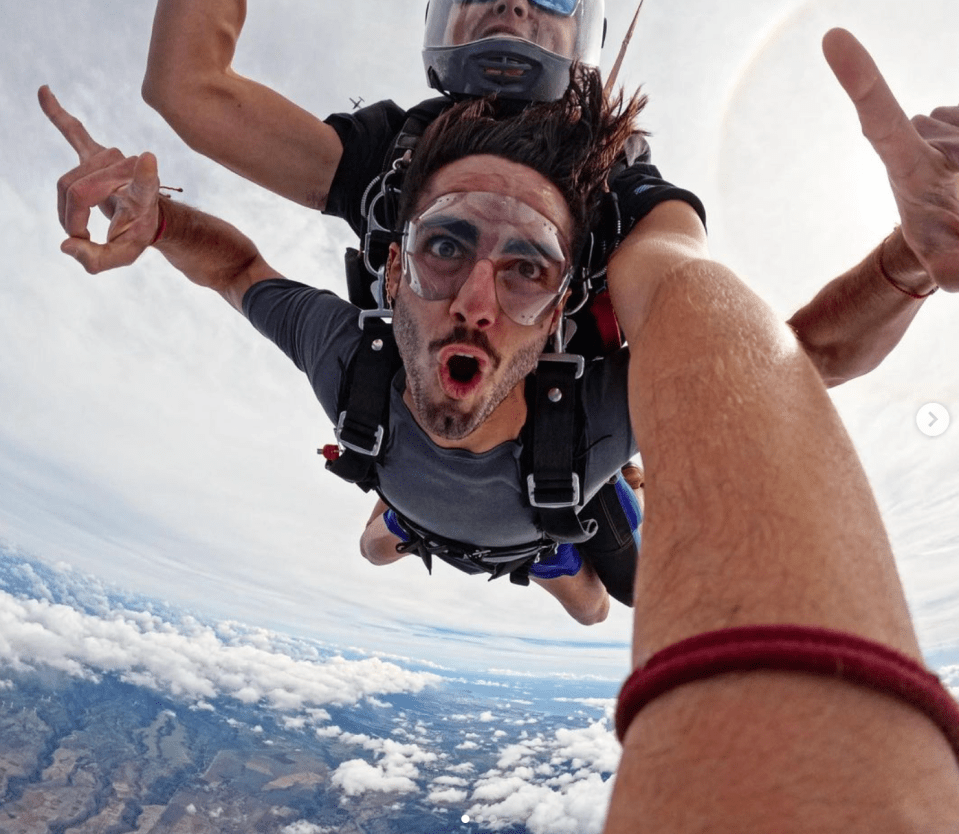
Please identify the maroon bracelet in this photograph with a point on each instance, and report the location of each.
(790, 648)
(161, 226)
(892, 281)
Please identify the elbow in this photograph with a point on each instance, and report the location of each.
(159, 89)
(173, 100)
(182, 101)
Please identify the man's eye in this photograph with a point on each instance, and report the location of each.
(441, 246)
(528, 271)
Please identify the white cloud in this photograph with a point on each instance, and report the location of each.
(357, 776)
(187, 659)
(304, 827)
(451, 781)
(553, 784)
(395, 769)
(447, 796)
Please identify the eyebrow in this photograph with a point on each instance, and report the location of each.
(462, 229)
(529, 247)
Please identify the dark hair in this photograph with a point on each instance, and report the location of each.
(573, 141)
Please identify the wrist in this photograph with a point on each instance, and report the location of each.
(900, 268)
(161, 220)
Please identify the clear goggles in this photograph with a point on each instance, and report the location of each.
(560, 7)
(529, 257)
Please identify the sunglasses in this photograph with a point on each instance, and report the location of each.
(560, 7)
(444, 243)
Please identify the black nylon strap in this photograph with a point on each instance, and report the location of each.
(514, 561)
(364, 422)
(553, 482)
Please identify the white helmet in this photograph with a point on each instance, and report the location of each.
(517, 48)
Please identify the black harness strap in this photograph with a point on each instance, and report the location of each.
(554, 480)
(514, 560)
(363, 423)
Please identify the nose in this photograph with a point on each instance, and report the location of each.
(475, 305)
(520, 8)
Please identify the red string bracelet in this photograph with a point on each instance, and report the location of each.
(790, 648)
(889, 278)
(161, 228)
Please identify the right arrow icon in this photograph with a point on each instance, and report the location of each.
(932, 419)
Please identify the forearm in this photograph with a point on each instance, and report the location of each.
(209, 251)
(243, 125)
(856, 320)
(750, 476)
(759, 513)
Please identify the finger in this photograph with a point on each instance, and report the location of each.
(99, 257)
(70, 126)
(883, 121)
(949, 115)
(102, 159)
(91, 190)
(941, 135)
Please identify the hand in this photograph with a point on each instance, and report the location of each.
(126, 189)
(921, 158)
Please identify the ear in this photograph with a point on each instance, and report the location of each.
(558, 312)
(394, 271)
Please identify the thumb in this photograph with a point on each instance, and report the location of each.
(146, 179)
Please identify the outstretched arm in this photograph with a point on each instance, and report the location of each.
(857, 319)
(235, 121)
(758, 513)
(209, 251)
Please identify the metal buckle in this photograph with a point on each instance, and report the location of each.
(379, 313)
(572, 358)
(553, 505)
(377, 442)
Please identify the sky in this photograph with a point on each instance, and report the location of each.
(150, 437)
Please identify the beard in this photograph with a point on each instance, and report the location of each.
(438, 415)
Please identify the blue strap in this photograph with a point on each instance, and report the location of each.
(565, 562)
(394, 526)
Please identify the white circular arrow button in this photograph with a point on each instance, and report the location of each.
(932, 419)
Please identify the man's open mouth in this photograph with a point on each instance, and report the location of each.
(463, 368)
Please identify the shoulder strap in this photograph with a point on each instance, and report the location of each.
(554, 475)
(364, 421)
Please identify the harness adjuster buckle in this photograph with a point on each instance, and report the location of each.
(566, 358)
(573, 487)
(355, 447)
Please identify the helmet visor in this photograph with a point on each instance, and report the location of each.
(563, 7)
(527, 253)
(571, 29)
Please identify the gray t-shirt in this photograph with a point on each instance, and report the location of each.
(478, 499)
